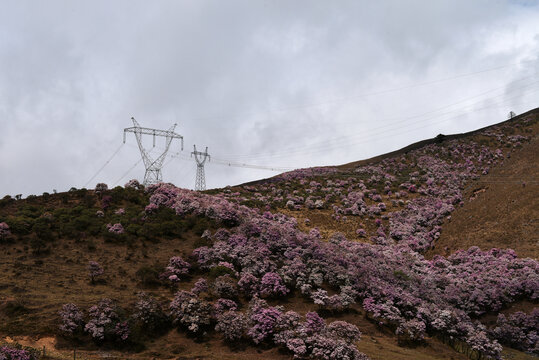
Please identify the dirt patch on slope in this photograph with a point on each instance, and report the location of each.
(500, 210)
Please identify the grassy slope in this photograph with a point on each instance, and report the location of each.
(501, 210)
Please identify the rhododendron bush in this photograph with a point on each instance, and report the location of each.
(519, 330)
(176, 269)
(4, 230)
(16, 353)
(103, 323)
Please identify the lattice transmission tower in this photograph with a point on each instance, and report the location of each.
(200, 157)
(153, 166)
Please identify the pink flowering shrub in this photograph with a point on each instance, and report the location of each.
(232, 324)
(411, 331)
(133, 184)
(106, 200)
(10, 352)
(4, 231)
(248, 284)
(223, 305)
(149, 314)
(480, 342)
(71, 319)
(117, 228)
(226, 287)
(122, 331)
(151, 208)
(175, 270)
(188, 311)
(262, 321)
(519, 330)
(94, 271)
(343, 330)
(271, 284)
(200, 286)
(105, 323)
(120, 211)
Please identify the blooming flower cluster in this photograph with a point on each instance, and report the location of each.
(149, 312)
(133, 184)
(14, 353)
(72, 319)
(232, 324)
(176, 268)
(94, 270)
(4, 230)
(115, 229)
(191, 312)
(519, 330)
(105, 323)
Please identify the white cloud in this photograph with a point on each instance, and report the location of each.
(278, 83)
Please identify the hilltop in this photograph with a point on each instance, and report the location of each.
(419, 250)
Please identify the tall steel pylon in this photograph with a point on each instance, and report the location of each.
(153, 167)
(200, 157)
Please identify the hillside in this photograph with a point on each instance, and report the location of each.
(501, 209)
(293, 264)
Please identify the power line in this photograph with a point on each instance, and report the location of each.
(127, 172)
(324, 146)
(369, 136)
(348, 98)
(252, 156)
(105, 164)
(231, 163)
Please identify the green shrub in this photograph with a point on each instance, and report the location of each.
(38, 245)
(117, 194)
(200, 225)
(135, 196)
(21, 225)
(217, 271)
(82, 222)
(399, 274)
(134, 229)
(67, 230)
(202, 241)
(148, 275)
(6, 200)
(31, 211)
(89, 200)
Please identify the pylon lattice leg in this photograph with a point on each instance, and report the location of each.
(200, 183)
(152, 176)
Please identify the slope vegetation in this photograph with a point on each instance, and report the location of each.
(405, 256)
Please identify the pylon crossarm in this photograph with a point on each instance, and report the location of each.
(148, 131)
(153, 167)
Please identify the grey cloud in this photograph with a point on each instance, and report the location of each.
(275, 83)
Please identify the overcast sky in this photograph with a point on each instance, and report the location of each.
(273, 83)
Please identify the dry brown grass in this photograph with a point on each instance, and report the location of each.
(501, 210)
